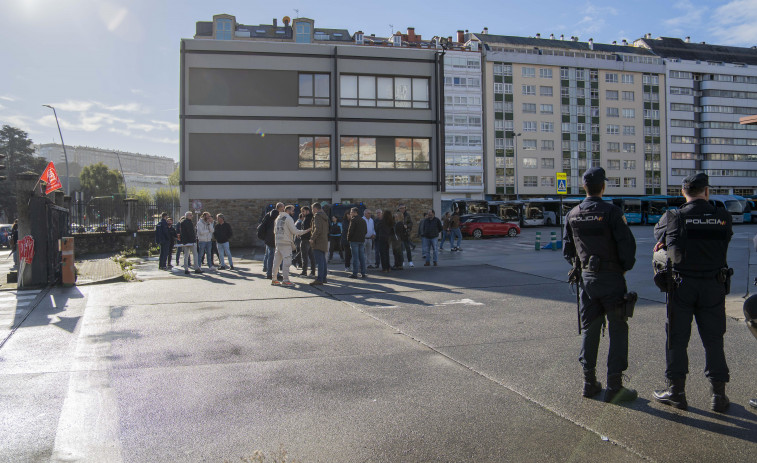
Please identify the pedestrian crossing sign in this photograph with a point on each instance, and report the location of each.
(562, 183)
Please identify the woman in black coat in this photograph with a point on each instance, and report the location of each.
(384, 234)
(345, 244)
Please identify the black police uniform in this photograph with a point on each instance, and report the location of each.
(596, 230)
(697, 237)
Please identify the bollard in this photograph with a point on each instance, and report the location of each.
(66, 247)
(537, 244)
(553, 241)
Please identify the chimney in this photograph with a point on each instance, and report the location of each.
(562, 36)
(648, 36)
(460, 36)
(359, 38)
(538, 35)
(411, 34)
(275, 23)
(551, 36)
(591, 44)
(486, 30)
(614, 42)
(688, 39)
(575, 38)
(625, 42)
(703, 43)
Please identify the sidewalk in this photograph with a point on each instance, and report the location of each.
(98, 269)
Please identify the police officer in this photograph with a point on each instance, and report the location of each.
(750, 315)
(696, 238)
(596, 233)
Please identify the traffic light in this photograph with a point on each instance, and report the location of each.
(2, 167)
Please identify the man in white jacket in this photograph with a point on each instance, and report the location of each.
(205, 230)
(285, 231)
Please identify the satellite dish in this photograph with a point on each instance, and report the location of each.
(286, 19)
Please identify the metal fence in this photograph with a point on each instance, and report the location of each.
(109, 214)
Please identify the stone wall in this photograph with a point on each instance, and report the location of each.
(104, 243)
(244, 214)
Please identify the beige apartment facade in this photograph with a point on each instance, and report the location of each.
(563, 106)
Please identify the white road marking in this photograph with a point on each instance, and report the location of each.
(461, 301)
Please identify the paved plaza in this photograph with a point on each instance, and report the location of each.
(474, 360)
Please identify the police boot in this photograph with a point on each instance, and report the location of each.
(674, 395)
(592, 387)
(616, 393)
(719, 400)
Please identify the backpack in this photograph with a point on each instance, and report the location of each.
(262, 229)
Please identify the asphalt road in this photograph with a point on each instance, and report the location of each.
(474, 360)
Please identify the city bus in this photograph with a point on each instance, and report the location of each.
(630, 206)
(731, 204)
(746, 208)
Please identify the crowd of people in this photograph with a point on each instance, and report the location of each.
(380, 239)
(199, 242)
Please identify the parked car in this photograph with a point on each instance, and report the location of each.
(5, 235)
(481, 225)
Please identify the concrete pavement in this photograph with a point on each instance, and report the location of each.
(474, 360)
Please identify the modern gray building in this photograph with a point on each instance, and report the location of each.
(265, 121)
(709, 87)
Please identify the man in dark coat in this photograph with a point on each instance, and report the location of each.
(597, 235)
(163, 238)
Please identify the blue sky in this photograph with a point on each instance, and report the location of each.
(111, 67)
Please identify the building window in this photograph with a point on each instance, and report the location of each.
(315, 153)
(529, 126)
(315, 89)
(547, 145)
(547, 163)
(386, 92)
(613, 164)
(528, 72)
(529, 163)
(508, 88)
(530, 181)
(548, 181)
(545, 73)
(627, 78)
(611, 94)
(629, 130)
(629, 164)
(628, 96)
(529, 89)
(223, 29)
(629, 113)
(529, 144)
(546, 109)
(629, 147)
(545, 91)
(302, 32)
(613, 129)
(611, 77)
(387, 153)
(529, 108)
(629, 182)
(499, 124)
(613, 112)
(613, 147)
(613, 182)
(547, 126)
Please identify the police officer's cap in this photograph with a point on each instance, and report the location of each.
(696, 181)
(594, 176)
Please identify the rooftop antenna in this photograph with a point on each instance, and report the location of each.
(391, 26)
(297, 12)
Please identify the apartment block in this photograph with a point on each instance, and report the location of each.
(263, 121)
(554, 105)
(463, 125)
(709, 87)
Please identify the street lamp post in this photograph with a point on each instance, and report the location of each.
(121, 167)
(65, 155)
(515, 159)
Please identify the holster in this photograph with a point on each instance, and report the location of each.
(628, 304)
(724, 276)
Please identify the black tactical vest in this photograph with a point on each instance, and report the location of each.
(592, 234)
(704, 235)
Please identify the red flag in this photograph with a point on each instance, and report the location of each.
(51, 178)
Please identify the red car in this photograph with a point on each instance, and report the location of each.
(482, 225)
